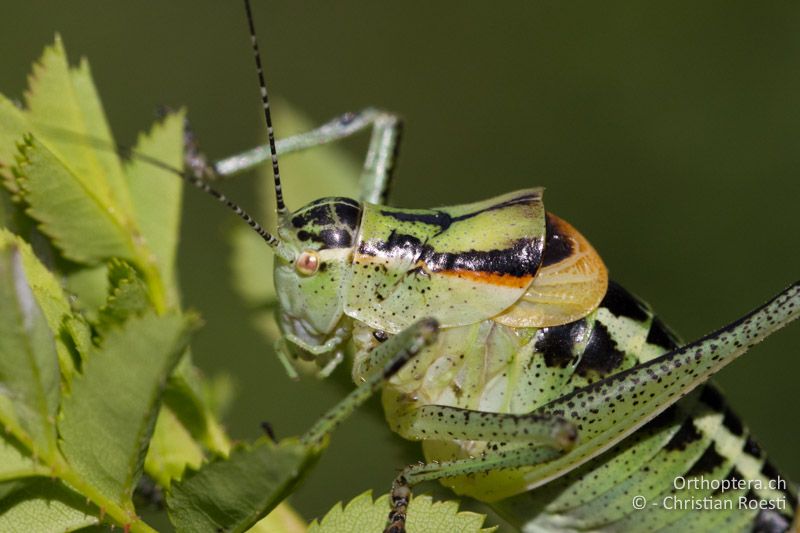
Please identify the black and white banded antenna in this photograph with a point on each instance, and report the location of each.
(190, 177)
(280, 206)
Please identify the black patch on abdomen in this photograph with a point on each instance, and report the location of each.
(710, 460)
(557, 343)
(660, 335)
(622, 303)
(601, 354)
(752, 448)
(557, 246)
(713, 398)
(733, 423)
(687, 434)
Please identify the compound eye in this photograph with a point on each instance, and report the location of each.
(308, 263)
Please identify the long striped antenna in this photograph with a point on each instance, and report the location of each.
(201, 184)
(279, 205)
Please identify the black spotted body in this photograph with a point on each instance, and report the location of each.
(488, 366)
(529, 323)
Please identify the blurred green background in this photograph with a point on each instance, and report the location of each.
(668, 134)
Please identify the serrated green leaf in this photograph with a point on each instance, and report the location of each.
(125, 375)
(157, 193)
(90, 287)
(14, 124)
(127, 297)
(185, 422)
(97, 129)
(231, 494)
(172, 449)
(29, 374)
(45, 506)
(48, 293)
(424, 516)
(63, 111)
(63, 108)
(68, 172)
(84, 225)
(78, 331)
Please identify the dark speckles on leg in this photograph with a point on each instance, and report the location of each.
(712, 397)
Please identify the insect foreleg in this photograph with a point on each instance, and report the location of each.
(395, 353)
(379, 163)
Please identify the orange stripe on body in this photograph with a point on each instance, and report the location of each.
(488, 278)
